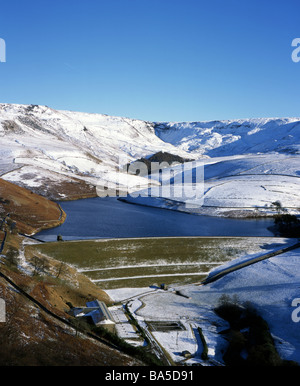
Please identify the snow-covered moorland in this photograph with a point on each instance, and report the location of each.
(270, 286)
(43, 149)
(248, 164)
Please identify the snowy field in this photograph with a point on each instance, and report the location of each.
(270, 285)
(46, 145)
(248, 164)
(231, 186)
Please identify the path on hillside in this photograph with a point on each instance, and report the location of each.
(215, 276)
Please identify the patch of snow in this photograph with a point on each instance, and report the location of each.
(270, 285)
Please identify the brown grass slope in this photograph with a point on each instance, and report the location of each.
(30, 336)
(29, 211)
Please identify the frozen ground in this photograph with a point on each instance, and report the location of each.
(226, 138)
(233, 186)
(247, 164)
(270, 285)
(45, 145)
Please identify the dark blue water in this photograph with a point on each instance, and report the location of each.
(109, 218)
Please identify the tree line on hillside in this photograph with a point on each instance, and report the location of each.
(250, 342)
(156, 162)
(286, 224)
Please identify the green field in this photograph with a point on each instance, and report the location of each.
(123, 263)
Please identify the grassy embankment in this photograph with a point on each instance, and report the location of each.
(30, 336)
(31, 213)
(121, 263)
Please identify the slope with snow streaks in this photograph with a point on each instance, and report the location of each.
(248, 164)
(226, 138)
(70, 146)
(63, 154)
(237, 186)
(270, 286)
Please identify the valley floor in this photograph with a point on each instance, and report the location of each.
(172, 313)
(270, 286)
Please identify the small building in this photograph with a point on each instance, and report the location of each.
(97, 313)
(186, 354)
(164, 286)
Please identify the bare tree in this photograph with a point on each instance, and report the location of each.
(12, 256)
(40, 265)
(61, 269)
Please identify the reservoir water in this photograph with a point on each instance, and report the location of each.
(111, 218)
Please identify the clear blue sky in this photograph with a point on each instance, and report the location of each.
(158, 60)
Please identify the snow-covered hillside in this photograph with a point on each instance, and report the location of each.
(44, 149)
(270, 286)
(235, 186)
(248, 164)
(227, 138)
